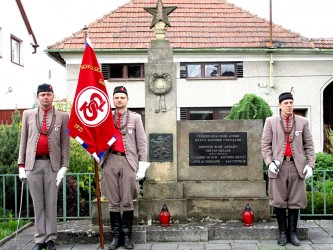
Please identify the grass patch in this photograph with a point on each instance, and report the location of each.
(8, 227)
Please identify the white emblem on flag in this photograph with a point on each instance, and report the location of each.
(92, 106)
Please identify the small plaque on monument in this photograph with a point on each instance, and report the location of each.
(218, 149)
(160, 147)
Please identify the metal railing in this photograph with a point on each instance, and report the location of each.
(324, 188)
(319, 193)
(319, 187)
(10, 199)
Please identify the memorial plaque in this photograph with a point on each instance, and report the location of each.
(160, 147)
(218, 149)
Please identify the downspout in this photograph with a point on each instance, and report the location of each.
(271, 80)
(270, 85)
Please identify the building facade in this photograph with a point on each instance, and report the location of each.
(18, 47)
(222, 53)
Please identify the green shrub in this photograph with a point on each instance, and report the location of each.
(324, 161)
(318, 198)
(250, 107)
(328, 184)
(10, 141)
(82, 162)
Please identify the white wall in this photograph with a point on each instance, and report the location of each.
(18, 77)
(307, 74)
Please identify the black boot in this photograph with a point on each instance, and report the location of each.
(282, 223)
(115, 218)
(127, 229)
(292, 225)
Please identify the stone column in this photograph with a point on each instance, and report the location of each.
(161, 185)
(161, 110)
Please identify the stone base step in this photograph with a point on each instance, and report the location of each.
(86, 233)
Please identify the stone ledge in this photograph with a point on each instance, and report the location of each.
(84, 232)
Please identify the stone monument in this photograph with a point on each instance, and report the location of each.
(199, 169)
(202, 170)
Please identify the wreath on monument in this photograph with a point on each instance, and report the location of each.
(160, 84)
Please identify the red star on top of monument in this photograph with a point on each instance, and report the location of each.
(160, 13)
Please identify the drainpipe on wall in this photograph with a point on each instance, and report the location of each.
(269, 86)
(271, 80)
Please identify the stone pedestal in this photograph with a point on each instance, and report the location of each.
(214, 192)
(104, 210)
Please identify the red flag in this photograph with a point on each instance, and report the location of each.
(91, 121)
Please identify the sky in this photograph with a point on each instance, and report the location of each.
(54, 20)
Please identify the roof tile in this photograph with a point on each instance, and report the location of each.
(194, 24)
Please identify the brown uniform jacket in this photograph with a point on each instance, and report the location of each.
(135, 140)
(273, 143)
(58, 139)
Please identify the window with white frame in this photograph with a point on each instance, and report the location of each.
(16, 50)
(211, 70)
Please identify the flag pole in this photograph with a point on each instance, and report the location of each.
(98, 193)
(98, 196)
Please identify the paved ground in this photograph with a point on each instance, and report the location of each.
(320, 237)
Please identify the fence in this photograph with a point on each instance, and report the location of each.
(10, 197)
(319, 188)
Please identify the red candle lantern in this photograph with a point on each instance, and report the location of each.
(164, 216)
(248, 216)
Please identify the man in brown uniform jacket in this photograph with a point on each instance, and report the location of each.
(43, 161)
(287, 139)
(119, 181)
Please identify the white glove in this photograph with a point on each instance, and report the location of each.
(273, 167)
(277, 163)
(22, 175)
(60, 175)
(308, 171)
(143, 165)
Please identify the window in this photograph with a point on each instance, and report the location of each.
(211, 70)
(194, 70)
(140, 111)
(123, 71)
(301, 112)
(16, 50)
(201, 114)
(218, 70)
(204, 113)
(223, 113)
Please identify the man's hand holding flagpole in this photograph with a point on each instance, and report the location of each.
(91, 121)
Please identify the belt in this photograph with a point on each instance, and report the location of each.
(42, 157)
(288, 158)
(116, 152)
